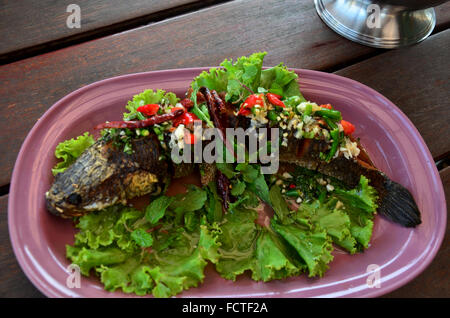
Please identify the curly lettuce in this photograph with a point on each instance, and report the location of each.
(70, 150)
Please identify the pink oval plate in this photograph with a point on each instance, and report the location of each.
(396, 254)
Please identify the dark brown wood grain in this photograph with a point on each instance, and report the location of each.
(416, 79)
(29, 25)
(13, 282)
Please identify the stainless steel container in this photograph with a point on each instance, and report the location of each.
(382, 24)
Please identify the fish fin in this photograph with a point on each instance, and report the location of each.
(398, 205)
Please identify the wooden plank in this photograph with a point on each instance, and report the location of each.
(290, 31)
(13, 282)
(29, 87)
(416, 79)
(434, 281)
(30, 23)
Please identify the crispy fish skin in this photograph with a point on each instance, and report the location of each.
(104, 175)
(395, 201)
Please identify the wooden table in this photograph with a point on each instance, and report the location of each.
(44, 60)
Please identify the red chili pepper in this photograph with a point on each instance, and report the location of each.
(244, 111)
(149, 109)
(348, 127)
(327, 106)
(190, 139)
(187, 103)
(251, 101)
(292, 186)
(275, 99)
(185, 119)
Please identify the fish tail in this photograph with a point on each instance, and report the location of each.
(398, 205)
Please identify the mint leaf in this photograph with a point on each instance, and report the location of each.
(156, 209)
(193, 200)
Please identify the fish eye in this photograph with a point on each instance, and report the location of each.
(74, 199)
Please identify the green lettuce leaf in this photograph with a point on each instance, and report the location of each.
(335, 222)
(237, 255)
(70, 150)
(104, 227)
(238, 78)
(314, 247)
(243, 74)
(130, 276)
(255, 251)
(142, 238)
(279, 80)
(360, 205)
(87, 259)
(114, 242)
(363, 197)
(270, 262)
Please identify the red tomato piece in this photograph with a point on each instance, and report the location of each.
(348, 127)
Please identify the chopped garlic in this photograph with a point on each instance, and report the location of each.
(350, 150)
(287, 175)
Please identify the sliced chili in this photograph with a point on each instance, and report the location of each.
(349, 128)
(249, 103)
(327, 106)
(185, 119)
(149, 109)
(275, 100)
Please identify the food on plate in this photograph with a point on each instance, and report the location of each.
(324, 195)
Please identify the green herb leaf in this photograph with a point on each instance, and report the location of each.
(226, 169)
(193, 200)
(156, 209)
(238, 188)
(279, 204)
(249, 172)
(260, 188)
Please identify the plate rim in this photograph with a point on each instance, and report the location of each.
(375, 292)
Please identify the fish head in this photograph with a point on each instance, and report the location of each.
(64, 201)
